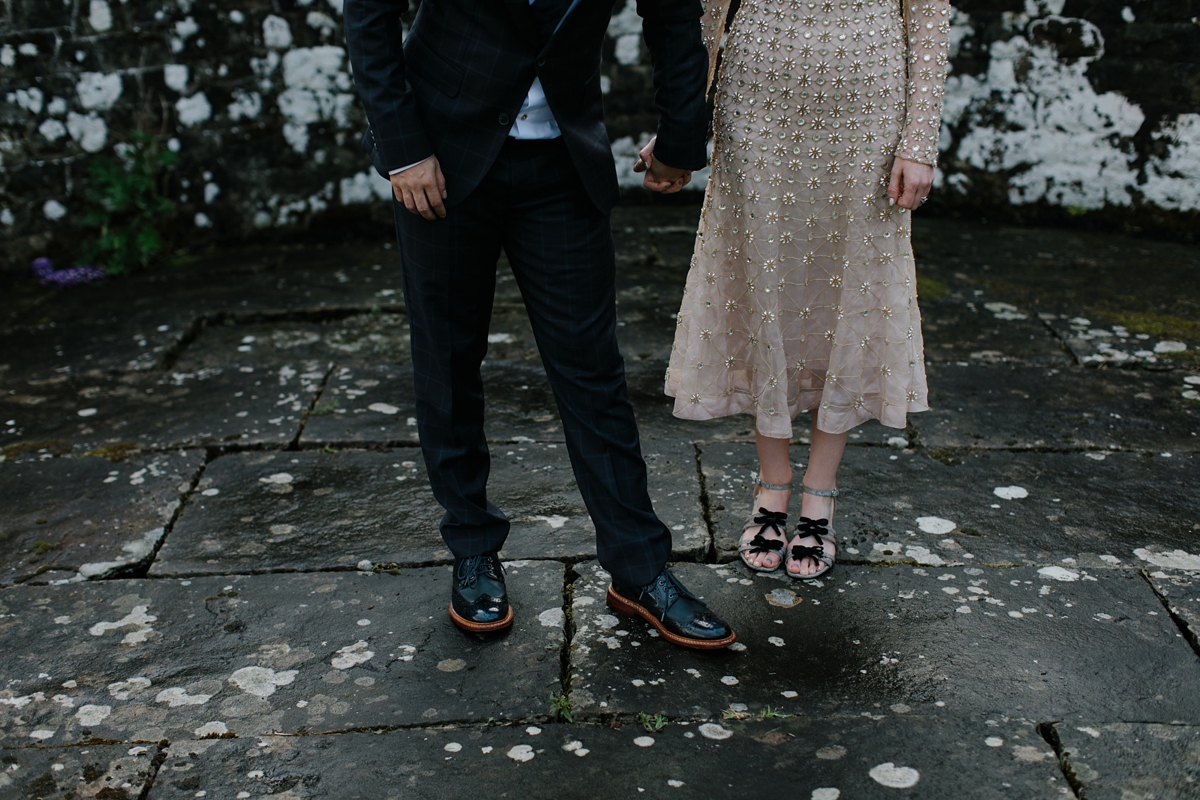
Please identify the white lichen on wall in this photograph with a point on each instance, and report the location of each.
(626, 29)
(1174, 181)
(193, 110)
(364, 187)
(318, 88)
(98, 91)
(1059, 139)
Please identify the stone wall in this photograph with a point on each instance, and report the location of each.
(1056, 109)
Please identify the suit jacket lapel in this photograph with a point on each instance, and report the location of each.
(561, 23)
(518, 10)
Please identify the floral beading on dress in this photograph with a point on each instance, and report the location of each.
(802, 288)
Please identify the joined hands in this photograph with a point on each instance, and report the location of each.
(659, 177)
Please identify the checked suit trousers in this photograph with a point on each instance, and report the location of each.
(560, 247)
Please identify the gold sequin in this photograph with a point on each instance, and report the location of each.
(814, 101)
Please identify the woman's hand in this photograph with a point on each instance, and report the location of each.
(659, 177)
(910, 184)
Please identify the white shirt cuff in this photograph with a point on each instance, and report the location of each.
(410, 166)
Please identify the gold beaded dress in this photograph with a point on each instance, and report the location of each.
(802, 288)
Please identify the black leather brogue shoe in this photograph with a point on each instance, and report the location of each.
(479, 598)
(678, 615)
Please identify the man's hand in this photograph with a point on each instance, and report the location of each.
(660, 177)
(910, 183)
(422, 189)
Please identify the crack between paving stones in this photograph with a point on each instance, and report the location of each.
(570, 575)
(710, 551)
(567, 561)
(143, 570)
(173, 353)
(1188, 635)
(1062, 343)
(320, 314)
(160, 757)
(1049, 733)
(294, 444)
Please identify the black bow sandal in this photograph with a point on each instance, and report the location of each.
(765, 520)
(819, 529)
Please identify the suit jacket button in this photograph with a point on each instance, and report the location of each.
(503, 120)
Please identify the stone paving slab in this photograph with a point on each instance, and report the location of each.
(308, 510)
(111, 772)
(140, 661)
(1095, 343)
(1057, 408)
(788, 758)
(1179, 590)
(1065, 508)
(88, 518)
(1132, 761)
(123, 342)
(979, 332)
(1047, 644)
(381, 337)
(259, 405)
(364, 402)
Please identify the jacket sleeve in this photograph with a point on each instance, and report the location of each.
(375, 37)
(672, 31)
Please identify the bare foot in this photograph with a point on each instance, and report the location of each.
(812, 507)
(771, 500)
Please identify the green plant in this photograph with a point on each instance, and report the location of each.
(651, 724)
(326, 408)
(130, 206)
(771, 713)
(561, 705)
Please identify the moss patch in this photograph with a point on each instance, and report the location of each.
(114, 452)
(1160, 326)
(56, 446)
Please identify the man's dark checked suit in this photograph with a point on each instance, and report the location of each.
(454, 89)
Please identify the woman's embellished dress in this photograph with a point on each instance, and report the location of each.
(802, 289)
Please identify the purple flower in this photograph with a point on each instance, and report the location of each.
(65, 278)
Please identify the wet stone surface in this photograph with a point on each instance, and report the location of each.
(88, 518)
(139, 661)
(364, 402)
(248, 405)
(137, 342)
(684, 760)
(381, 338)
(1179, 588)
(67, 773)
(986, 507)
(255, 512)
(969, 640)
(1018, 567)
(979, 332)
(1132, 761)
(1057, 408)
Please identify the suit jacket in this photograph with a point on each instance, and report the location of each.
(457, 83)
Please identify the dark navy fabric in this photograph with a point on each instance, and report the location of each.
(455, 85)
(560, 247)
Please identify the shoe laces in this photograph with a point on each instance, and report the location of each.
(467, 573)
(665, 590)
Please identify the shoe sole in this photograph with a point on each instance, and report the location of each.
(482, 627)
(631, 609)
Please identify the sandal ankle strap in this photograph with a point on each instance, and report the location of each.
(774, 487)
(819, 492)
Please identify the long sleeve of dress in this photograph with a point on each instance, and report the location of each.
(928, 32)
